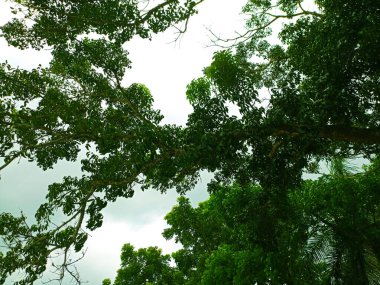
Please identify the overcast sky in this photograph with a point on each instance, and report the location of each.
(165, 68)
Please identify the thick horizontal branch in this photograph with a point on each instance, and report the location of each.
(355, 135)
(351, 134)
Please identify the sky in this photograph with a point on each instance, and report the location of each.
(165, 68)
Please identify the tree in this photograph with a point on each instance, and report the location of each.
(324, 102)
(49, 114)
(145, 266)
(341, 210)
(327, 234)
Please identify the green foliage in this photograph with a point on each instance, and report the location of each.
(311, 95)
(63, 21)
(327, 233)
(145, 266)
(343, 212)
(49, 114)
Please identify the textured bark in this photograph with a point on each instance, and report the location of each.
(351, 134)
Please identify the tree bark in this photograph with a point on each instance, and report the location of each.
(333, 132)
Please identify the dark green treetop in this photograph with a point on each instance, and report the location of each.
(146, 266)
(324, 231)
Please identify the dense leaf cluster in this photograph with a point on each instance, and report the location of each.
(322, 232)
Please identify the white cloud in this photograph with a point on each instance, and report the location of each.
(104, 247)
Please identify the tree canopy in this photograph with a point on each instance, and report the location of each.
(307, 93)
(323, 232)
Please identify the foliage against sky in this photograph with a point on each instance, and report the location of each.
(322, 232)
(324, 103)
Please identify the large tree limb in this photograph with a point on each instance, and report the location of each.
(351, 134)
